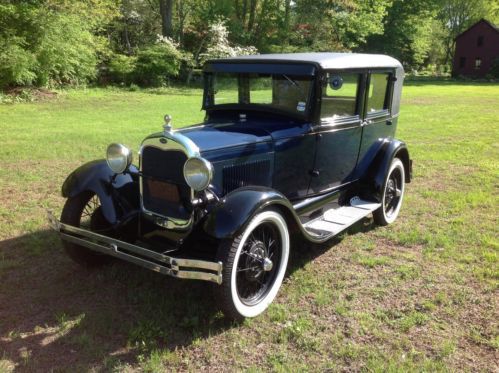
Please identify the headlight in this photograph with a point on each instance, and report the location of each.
(198, 173)
(118, 158)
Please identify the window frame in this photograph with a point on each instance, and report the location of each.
(387, 103)
(462, 62)
(345, 121)
(243, 85)
(478, 63)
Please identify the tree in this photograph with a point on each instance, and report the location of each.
(336, 24)
(166, 11)
(407, 32)
(218, 45)
(48, 43)
(456, 16)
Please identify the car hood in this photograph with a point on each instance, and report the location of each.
(221, 135)
(225, 135)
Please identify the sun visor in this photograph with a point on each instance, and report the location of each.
(261, 68)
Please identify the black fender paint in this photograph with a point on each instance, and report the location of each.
(375, 175)
(96, 176)
(237, 208)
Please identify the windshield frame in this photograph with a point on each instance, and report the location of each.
(303, 72)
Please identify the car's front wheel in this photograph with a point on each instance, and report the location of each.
(254, 266)
(393, 194)
(84, 211)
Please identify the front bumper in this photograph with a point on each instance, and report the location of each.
(175, 267)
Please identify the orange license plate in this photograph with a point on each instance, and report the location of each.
(162, 190)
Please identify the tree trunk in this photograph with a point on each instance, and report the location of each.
(251, 21)
(127, 39)
(182, 12)
(243, 13)
(287, 8)
(166, 11)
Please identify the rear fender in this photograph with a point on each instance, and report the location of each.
(118, 194)
(374, 174)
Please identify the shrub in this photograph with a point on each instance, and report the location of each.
(121, 68)
(158, 63)
(17, 66)
(65, 52)
(494, 70)
(219, 45)
(44, 47)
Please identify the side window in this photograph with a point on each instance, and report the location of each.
(377, 97)
(339, 96)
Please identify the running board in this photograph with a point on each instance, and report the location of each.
(334, 221)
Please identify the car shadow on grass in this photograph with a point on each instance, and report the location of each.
(57, 315)
(309, 251)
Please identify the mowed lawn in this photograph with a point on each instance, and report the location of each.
(421, 294)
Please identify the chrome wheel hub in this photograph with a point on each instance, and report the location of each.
(267, 265)
(257, 261)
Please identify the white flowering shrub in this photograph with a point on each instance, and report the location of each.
(219, 45)
(160, 39)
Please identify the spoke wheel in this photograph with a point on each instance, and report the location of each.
(84, 211)
(254, 266)
(393, 194)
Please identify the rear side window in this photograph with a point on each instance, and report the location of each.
(339, 97)
(377, 99)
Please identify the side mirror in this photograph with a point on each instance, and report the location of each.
(335, 82)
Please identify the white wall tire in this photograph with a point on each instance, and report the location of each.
(393, 194)
(254, 263)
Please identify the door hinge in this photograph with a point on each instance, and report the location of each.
(314, 173)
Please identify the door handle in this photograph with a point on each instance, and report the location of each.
(365, 123)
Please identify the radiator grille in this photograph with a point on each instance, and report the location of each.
(164, 190)
(251, 173)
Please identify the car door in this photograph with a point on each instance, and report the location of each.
(338, 135)
(378, 123)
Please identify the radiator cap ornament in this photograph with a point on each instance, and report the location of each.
(167, 127)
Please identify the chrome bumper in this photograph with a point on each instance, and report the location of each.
(175, 267)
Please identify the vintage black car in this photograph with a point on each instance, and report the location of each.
(292, 145)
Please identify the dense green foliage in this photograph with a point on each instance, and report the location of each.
(40, 46)
(156, 62)
(150, 42)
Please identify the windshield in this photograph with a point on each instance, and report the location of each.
(289, 93)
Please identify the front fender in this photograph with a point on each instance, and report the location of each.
(117, 195)
(374, 174)
(238, 207)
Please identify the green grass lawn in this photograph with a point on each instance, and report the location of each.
(421, 294)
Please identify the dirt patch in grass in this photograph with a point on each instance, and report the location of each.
(32, 93)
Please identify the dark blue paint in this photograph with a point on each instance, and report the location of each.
(373, 168)
(337, 152)
(117, 196)
(224, 135)
(311, 165)
(290, 143)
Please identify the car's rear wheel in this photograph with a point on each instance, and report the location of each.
(84, 211)
(393, 194)
(254, 266)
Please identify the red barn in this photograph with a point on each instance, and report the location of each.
(476, 50)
